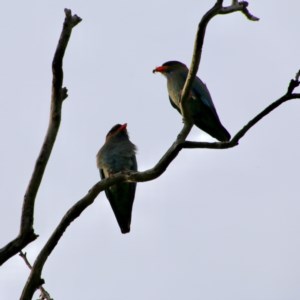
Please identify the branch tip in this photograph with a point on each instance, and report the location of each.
(238, 6)
(293, 83)
(297, 76)
(73, 19)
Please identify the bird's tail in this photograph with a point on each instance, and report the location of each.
(222, 134)
(121, 197)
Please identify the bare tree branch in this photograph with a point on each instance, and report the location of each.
(74, 212)
(34, 280)
(235, 140)
(198, 45)
(26, 234)
(44, 294)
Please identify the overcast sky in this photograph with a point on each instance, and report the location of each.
(219, 224)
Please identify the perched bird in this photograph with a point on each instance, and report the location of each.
(116, 155)
(199, 108)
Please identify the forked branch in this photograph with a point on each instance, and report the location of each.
(74, 212)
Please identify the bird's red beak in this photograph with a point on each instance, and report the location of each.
(123, 127)
(160, 69)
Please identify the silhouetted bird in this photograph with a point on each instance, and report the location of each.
(116, 155)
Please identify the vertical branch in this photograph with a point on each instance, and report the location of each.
(217, 9)
(58, 95)
(197, 52)
(26, 233)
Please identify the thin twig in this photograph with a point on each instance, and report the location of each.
(44, 294)
(293, 83)
(241, 6)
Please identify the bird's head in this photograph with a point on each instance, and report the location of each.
(117, 131)
(170, 67)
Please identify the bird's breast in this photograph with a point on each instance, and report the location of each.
(174, 93)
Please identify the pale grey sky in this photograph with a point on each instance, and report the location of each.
(218, 224)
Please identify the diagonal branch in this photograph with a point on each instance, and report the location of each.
(235, 140)
(26, 234)
(34, 280)
(294, 83)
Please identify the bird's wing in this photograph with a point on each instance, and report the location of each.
(200, 91)
(205, 115)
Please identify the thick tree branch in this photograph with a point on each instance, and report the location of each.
(26, 234)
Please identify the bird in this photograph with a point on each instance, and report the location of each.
(116, 155)
(199, 108)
